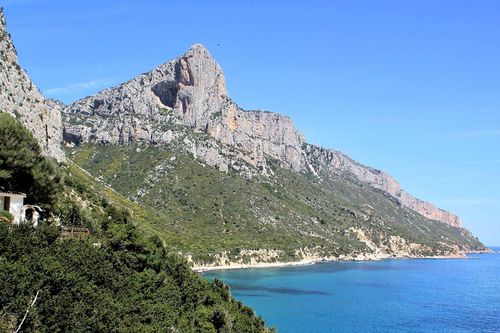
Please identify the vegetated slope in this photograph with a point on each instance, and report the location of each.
(118, 279)
(128, 284)
(217, 217)
(233, 185)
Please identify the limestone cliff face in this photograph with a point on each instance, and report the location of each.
(190, 91)
(20, 98)
(335, 161)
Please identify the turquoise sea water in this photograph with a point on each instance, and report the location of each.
(417, 295)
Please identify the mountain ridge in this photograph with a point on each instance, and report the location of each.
(191, 90)
(223, 185)
(21, 98)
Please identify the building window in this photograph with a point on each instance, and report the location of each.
(6, 203)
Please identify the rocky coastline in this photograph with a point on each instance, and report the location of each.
(314, 260)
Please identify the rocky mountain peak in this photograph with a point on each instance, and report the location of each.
(3, 24)
(191, 91)
(198, 47)
(2, 21)
(199, 52)
(197, 88)
(21, 98)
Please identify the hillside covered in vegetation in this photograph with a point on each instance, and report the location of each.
(221, 217)
(118, 279)
(232, 186)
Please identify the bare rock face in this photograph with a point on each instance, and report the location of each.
(335, 161)
(190, 92)
(20, 98)
(428, 210)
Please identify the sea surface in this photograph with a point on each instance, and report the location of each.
(400, 295)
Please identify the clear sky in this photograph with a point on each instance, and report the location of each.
(409, 87)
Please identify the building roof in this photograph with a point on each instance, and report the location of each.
(12, 194)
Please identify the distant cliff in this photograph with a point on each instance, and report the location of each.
(190, 91)
(337, 161)
(21, 98)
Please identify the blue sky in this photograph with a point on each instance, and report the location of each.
(409, 87)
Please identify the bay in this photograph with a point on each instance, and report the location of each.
(400, 295)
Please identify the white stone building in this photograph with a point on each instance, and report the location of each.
(13, 202)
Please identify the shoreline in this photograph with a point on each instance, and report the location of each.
(312, 261)
(202, 269)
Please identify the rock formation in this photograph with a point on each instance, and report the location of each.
(190, 92)
(20, 98)
(336, 161)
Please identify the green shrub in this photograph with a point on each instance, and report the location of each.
(6, 215)
(23, 168)
(138, 287)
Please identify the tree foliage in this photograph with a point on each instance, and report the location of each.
(129, 284)
(116, 280)
(22, 167)
(6, 216)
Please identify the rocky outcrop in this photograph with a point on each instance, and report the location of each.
(21, 98)
(190, 92)
(335, 161)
